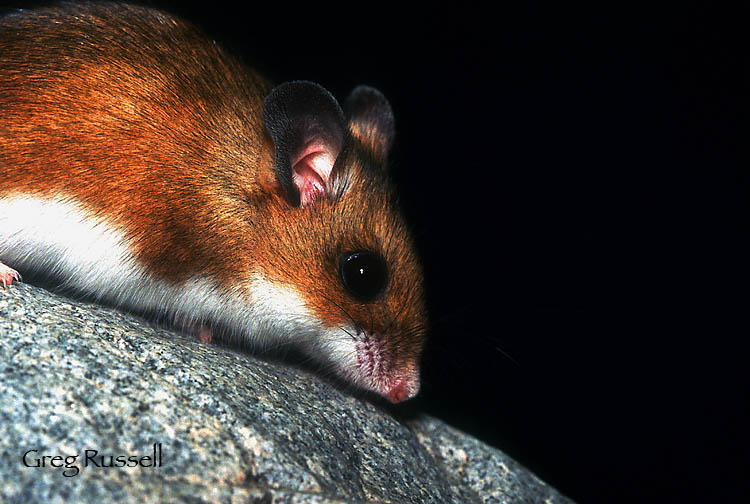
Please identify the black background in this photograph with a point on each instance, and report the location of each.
(572, 178)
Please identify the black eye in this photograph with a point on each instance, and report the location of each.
(364, 274)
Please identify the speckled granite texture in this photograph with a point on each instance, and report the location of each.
(77, 377)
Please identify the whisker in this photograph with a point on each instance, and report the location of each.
(391, 234)
(506, 354)
(347, 332)
(398, 315)
(343, 310)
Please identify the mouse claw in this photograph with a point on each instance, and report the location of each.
(8, 275)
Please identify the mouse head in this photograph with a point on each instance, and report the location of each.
(339, 242)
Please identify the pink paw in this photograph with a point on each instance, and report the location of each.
(7, 275)
(204, 334)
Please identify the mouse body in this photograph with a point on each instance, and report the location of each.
(145, 167)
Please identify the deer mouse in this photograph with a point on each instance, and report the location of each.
(143, 166)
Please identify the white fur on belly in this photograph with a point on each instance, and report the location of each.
(59, 239)
(55, 236)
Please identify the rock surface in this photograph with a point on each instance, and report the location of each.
(232, 428)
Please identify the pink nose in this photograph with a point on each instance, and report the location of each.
(403, 389)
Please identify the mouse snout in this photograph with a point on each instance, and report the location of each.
(403, 388)
(376, 363)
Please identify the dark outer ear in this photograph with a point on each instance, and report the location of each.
(307, 125)
(370, 121)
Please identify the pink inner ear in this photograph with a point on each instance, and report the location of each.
(311, 170)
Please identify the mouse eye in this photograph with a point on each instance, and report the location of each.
(364, 274)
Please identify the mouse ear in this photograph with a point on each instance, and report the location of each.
(370, 121)
(306, 124)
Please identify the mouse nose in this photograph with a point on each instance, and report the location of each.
(403, 388)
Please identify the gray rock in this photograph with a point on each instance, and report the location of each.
(232, 428)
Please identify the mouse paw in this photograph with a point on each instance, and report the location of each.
(8, 275)
(203, 333)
